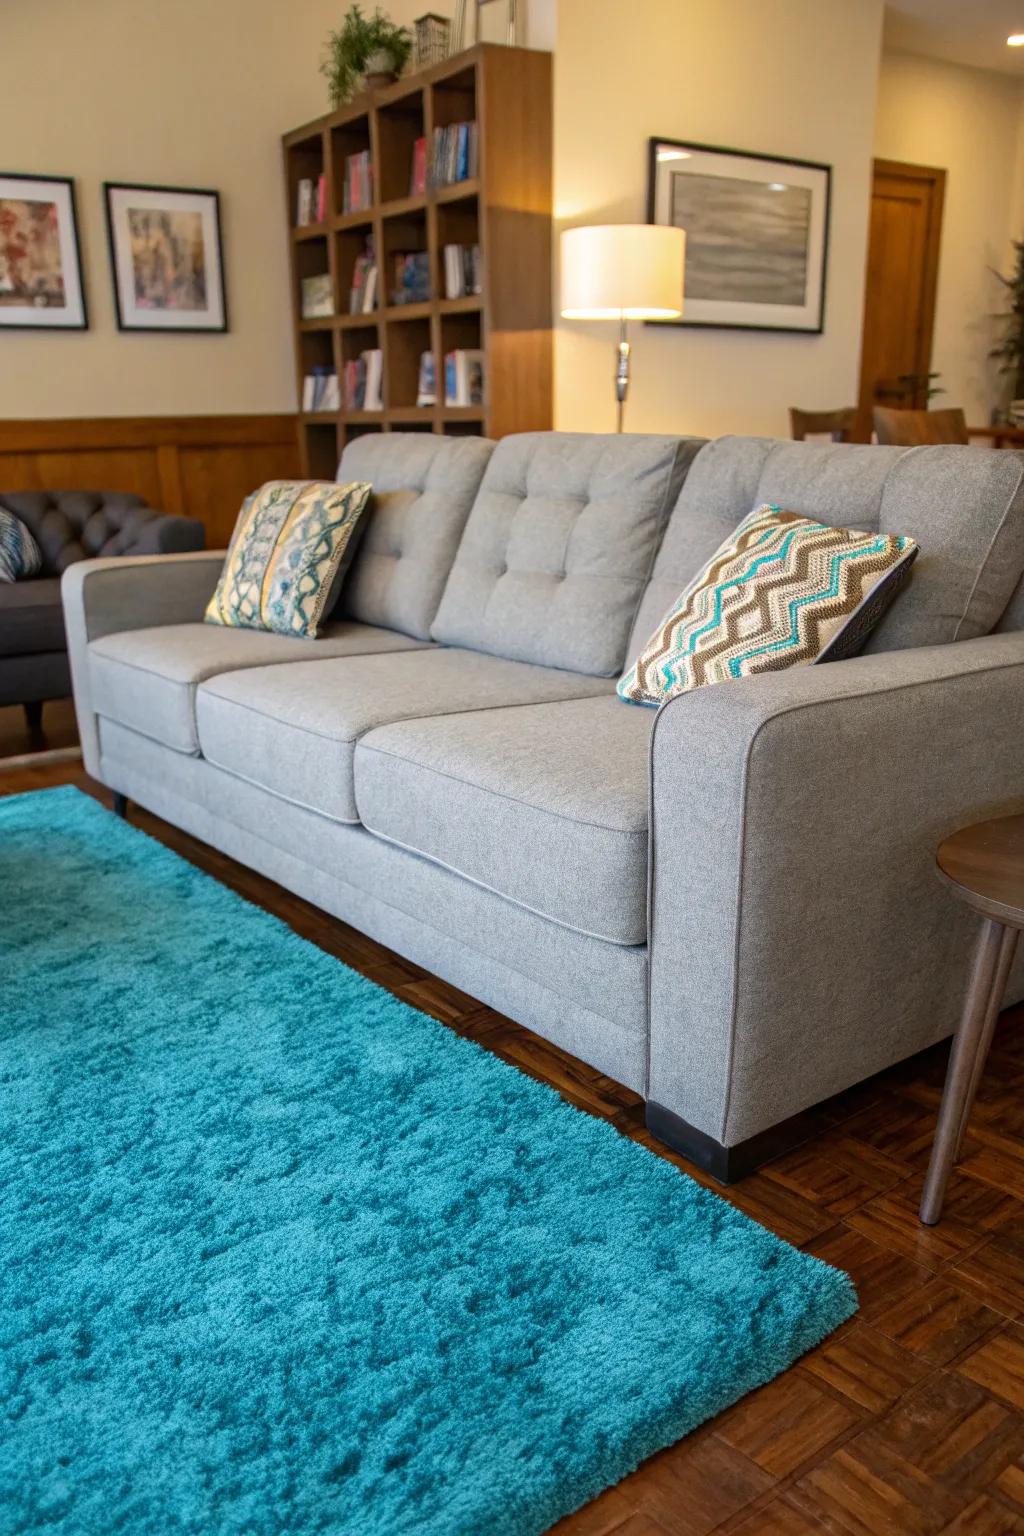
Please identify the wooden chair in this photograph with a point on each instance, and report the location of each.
(913, 429)
(841, 426)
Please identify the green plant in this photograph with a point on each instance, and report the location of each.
(348, 50)
(1010, 351)
(921, 383)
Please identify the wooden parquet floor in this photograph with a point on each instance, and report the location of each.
(907, 1422)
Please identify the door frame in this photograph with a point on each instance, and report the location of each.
(897, 170)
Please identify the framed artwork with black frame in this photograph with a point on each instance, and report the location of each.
(166, 258)
(756, 234)
(41, 285)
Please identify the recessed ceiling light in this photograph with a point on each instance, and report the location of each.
(1015, 40)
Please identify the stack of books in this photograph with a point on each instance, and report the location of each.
(358, 193)
(362, 297)
(461, 270)
(426, 389)
(455, 154)
(363, 380)
(418, 179)
(320, 390)
(312, 201)
(412, 277)
(317, 299)
(464, 377)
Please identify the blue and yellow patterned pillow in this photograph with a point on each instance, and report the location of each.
(20, 555)
(782, 590)
(287, 556)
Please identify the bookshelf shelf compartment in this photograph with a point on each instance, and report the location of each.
(504, 210)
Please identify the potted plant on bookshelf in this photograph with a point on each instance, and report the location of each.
(363, 53)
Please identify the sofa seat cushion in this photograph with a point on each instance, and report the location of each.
(546, 806)
(31, 617)
(147, 678)
(293, 731)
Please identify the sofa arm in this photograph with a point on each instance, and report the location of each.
(103, 597)
(799, 938)
(165, 533)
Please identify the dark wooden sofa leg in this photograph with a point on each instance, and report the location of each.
(120, 805)
(727, 1164)
(34, 722)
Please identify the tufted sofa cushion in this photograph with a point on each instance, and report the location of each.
(559, 547)
(423, 489)
(81, 525)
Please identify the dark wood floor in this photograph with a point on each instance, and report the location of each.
(909, 1420)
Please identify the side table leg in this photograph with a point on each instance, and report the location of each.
(961, 1072)
(1007, 950)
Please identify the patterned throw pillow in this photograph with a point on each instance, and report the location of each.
(782, 590)
(287, 556)
(20, 555)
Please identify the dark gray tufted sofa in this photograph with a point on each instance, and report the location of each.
(69, 526)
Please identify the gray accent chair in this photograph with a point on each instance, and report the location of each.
(728, 904)
(69, 526)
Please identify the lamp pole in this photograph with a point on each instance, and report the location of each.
(622, 370)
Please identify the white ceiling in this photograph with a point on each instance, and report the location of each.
(963, 31)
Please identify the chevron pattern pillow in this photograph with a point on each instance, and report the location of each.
(782, 591)
(291, 546)
(20, 555)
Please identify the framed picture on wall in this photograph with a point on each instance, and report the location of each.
(167, 258)
(40, 261)
(756, 234)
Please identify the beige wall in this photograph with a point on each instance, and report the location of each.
(180, 92)
(793, 77)
(969, 122)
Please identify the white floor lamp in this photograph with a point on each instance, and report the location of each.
(623, 272)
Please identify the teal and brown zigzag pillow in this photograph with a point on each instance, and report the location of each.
(781, 591)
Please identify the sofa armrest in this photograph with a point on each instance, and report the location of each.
(799, 938)
(103, 597)
(166, 533)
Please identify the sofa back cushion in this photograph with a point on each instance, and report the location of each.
(423, 489)
(80, 525)
(963, 506)
(559, 547)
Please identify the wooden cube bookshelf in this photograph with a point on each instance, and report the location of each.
(505, 209)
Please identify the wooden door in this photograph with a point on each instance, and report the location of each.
(899, 300)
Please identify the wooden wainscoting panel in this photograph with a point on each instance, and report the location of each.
(199, 466)
(218, 480)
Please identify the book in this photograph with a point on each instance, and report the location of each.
(320, 390)
(426, 388)
(411, 275)
(317, 300)
(454, 154)
(374, 360)
(362, 297)
(321, 198)
(304, 202)
(358, 190)
(461, 270)
(418, 179)
(464, 377)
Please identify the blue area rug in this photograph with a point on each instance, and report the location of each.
(282, 1255)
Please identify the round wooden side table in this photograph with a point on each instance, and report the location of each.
(984, 865)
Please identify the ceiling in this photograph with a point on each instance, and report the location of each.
(962, 31)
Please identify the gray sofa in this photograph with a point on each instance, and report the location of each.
(729, 904)
(69, 526)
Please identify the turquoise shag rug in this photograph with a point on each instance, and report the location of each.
(283, 1255)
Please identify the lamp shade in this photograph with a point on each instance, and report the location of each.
(623, 272)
